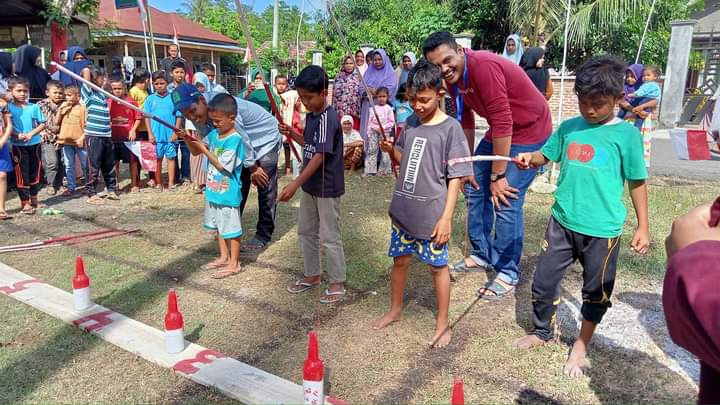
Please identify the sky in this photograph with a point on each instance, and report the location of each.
(258, 5)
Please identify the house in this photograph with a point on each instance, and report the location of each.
(125, 37)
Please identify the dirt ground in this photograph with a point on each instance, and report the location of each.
(252, 318)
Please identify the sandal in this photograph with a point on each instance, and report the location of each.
(255, 244)
(301, 286)
(113, 196)
(331, 297)
(226, 272)
(95, 200)
(497, 291)
(4, 216)
(28, 210)
(461, 267)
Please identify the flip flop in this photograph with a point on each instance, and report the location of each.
(210, 266)
(497, 291)
(461, 267)
(225, 272)
(300, 287)
(331, 297)
(255, 244)
(28, 210)
(95, 200)
(4, 216)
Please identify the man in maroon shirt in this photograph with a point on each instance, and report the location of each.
(498, 90)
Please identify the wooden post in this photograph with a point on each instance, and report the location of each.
(126, 49)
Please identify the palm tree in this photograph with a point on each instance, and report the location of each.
(532, 17)
(196, 9)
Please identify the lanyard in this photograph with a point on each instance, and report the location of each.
(460, 99)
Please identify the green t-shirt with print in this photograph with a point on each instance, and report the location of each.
(595, 162)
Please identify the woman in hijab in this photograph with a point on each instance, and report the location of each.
(27, 64)
(202, 82)
(5, 71)
(380, 73)
(633, 81)
(513, 49)
(255, 91)
(408, 61)
(360, 61)
(77, 61)
(533, 62)
(690, 298)
(346, 92)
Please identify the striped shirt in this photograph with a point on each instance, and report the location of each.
(98, 112)
(323, 134)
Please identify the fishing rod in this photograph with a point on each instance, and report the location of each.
(253, 55)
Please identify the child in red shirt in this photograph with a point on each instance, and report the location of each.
(124, 124)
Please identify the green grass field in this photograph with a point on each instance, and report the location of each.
(252, 318)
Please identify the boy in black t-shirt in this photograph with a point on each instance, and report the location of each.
(323, 183)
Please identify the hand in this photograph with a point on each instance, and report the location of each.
(250, 89)
(131, 136)
(386, 145)
(151, 138)
(642, 114)
(471, 181)
(441, 232)
(641, 241)
(500, 191)
(284, 129)
(259, 177)
(287, 192)
(525, 161)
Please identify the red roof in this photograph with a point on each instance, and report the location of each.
(128, 19)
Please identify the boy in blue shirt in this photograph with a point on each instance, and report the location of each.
(161, 104)
(598, 153)
(323, 183)
(27, 122)
(224, 148)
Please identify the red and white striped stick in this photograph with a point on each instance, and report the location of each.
(484, 158)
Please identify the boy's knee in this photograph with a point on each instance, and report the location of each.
(594, 311)
(402, 260)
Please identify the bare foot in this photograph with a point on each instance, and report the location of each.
(576, 361)
(528, 341)
(386, 320)
(441, 339)
(215, 264)
(227, 271)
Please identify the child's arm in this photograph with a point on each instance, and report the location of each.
(443, 228)
(638, 193)
(35, 131)
(148, 124)
(133, 131)
(315, 163)
(8, 129)
(531, 160)
(285, 131)
(395, 153)
(642, 107)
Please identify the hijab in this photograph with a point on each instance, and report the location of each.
(539, 76)
(515, 57)
(344, 119)
(258, 96)
(383, 77)
(637, 70)
(346, 91)
(202, 78)
(73, 65)
(25, 58)
(404, 72)
(5, 64)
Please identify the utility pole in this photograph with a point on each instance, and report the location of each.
(153, 55)
(276, 24)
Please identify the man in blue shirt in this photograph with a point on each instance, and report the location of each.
(261, 153)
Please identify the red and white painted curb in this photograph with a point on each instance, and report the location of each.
(202, 365)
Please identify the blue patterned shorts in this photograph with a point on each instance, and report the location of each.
(403, 244)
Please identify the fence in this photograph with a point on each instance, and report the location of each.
(232, 83)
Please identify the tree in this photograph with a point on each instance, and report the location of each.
(486, 19)
(62, 11)
(196, 9)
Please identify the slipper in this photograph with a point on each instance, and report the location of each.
(212, 266)
(497, 291)
(4, 216)
(95, 200)
(461, 267)
(301, 286)
(225, 272)
(255, 244)
(331, 297)
(113, 196)
(28, 210)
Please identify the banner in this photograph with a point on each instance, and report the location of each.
(146, 154)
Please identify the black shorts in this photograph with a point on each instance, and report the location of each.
(141, 136)
(121, 152)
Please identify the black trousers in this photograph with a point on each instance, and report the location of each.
(52, 159)
(598, 257)
(102, 159)
(267, 197)
(27, 162)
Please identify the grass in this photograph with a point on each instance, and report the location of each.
(252, 318)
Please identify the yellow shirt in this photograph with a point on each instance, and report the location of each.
(72, 127)
(139, 96)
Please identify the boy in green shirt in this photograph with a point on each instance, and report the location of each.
(598, 153)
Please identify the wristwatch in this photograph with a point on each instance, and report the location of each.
(496, 176)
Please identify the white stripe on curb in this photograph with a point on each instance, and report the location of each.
(204, 366)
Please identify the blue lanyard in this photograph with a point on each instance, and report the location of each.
(460, 99)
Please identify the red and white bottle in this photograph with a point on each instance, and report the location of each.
(174, 336)
(458, 393)
(313, 373)
(81, 286)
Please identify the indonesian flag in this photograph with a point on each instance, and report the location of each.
(690, 144)
(142, 10)
(145, 152)
(175, 40)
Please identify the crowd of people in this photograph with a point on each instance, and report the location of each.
(412, 120)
